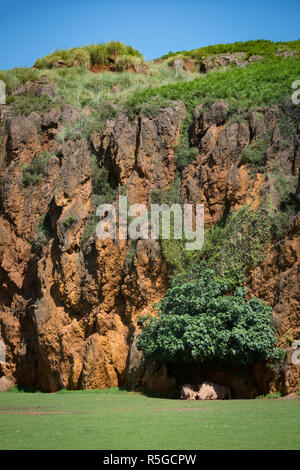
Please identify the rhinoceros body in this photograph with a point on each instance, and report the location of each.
(205, 391)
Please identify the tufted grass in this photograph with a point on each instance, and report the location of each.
(80, 87)
(114, 419)
(108, 53)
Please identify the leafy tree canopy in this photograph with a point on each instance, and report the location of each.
(199, 322)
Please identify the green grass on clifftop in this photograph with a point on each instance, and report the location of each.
(123, 420)
(257, 47)
(263, 84)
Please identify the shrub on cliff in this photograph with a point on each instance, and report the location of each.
(288, 203)
(69, 221)
(43, 232)
(103, 191)
(26, 104)
(231, 247)
(255, 152)
(33, 173)
(199, 322)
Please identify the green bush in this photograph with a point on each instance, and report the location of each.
(34, 172)
(26, 104)
(185, 153)
(101, 185)
(255, 152)
(288, 204)
(70, 220)
(199, 322)
(43, 231)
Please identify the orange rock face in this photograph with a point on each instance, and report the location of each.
(69, 310)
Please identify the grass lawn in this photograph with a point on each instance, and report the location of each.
(116, 419)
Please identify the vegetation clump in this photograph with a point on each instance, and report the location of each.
(200, 322)
(114, 54)
(34, 172)
(185, 153)
(230, 248)
(69, 221)
(26, 104)
(288, 203)
(255, 153)
(103, 191)
(16, 77)
(43, 231)
(87, 125)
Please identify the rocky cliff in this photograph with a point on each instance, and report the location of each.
(69, 304)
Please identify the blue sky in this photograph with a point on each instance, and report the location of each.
(32, 29)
